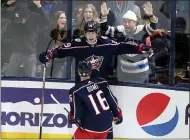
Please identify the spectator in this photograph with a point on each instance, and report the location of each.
(5, 43)
(89, 13)
(77, 15)
(182, 43)
(25, 29)
(118, 9)
(59, 21)
(133, 68)
(50, 7)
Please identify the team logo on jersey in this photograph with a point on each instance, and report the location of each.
(96, 61)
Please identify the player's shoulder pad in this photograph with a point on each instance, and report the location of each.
(105, 39)
(72, 90)
(77, 87)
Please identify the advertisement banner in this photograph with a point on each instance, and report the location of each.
(21, 107)
(152, 113)
(147, 112)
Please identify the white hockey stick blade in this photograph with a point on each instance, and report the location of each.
(54, 99)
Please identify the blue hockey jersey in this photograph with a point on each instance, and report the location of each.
(93, 104)
(99, 54)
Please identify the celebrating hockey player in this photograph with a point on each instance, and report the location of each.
(93, 106)
(97, 50)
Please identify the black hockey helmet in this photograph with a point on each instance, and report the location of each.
(90, 26)
(84, 68)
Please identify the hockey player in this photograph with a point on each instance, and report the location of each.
(98, 50)
(93, 105)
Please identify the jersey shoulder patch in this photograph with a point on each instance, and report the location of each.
(79, 86)
(72, 90)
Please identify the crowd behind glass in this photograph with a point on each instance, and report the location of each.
(27, 24)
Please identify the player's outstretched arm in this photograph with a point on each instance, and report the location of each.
(67, 49)
(131, 47)
(46, 56)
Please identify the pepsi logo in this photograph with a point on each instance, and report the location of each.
(151, 108)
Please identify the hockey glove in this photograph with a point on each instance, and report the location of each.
(119, 118)
(45, 57)
(143, 48)
(73, 121)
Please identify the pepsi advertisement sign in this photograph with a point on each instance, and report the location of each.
(150, 108)
(152, 113)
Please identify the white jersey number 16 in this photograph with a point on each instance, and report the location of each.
(102, 100)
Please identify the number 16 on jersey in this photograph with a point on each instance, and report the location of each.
(102, 101)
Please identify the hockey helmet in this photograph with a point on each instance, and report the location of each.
(90, 26)
(84, 68)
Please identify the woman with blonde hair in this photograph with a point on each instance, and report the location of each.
(89, 13)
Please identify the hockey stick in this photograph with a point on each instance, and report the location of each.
(52, 64)
(77, 123)
(42, 98)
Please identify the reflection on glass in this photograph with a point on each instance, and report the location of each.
(26, 28)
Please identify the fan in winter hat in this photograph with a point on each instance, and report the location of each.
(130, 15)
